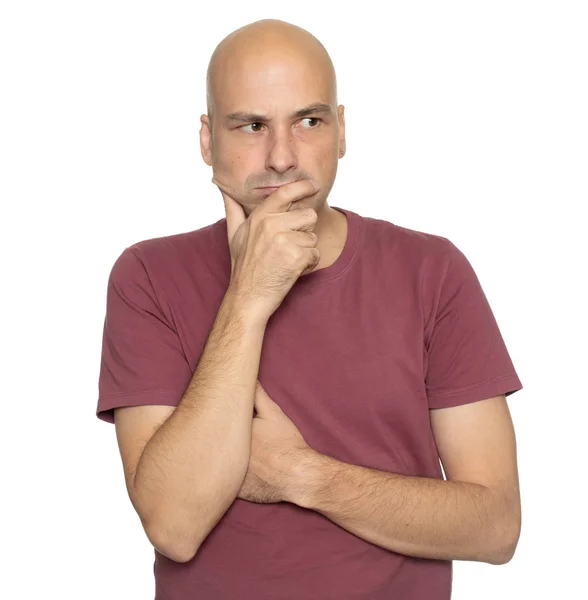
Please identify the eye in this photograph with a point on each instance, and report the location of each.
(250, 124)
(311, 119)
(305, 119)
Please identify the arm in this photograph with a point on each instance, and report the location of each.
(191, 470)
(474, 515)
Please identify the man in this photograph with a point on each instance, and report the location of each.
(366, 353)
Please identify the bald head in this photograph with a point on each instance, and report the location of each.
(273, 116)
(271, 46)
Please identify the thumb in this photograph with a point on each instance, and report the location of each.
(263, 403)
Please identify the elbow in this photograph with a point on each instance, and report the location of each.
(505, 528)
(186, 555)
(178, 552)
(503, 555)
(507, 538)
(158, 540)
(508, 548)
(182, 557)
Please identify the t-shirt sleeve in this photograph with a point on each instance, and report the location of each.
(142, 359)
(467, 359)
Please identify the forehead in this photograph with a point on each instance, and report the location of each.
(281, 86)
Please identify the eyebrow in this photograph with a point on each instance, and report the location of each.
(244, 117)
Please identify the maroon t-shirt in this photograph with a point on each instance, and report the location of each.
(356, 355)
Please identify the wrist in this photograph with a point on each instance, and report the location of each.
(237, 306)
(305, 478)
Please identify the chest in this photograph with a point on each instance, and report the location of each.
(349, 373)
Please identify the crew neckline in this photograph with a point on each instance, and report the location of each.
(338, 268)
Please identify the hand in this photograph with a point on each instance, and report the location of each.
(276, 448)
(272, 247)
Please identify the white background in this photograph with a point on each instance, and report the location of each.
(464, 119)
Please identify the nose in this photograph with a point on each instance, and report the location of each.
(281, 154)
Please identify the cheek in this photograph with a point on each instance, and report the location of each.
(227, 166)
(326, 164)
(232, 173)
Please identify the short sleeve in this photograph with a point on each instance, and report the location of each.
(467, 359)
(142, 359)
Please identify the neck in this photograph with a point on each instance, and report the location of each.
(331, 229)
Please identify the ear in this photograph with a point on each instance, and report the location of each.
(341, 116)
(205, 140)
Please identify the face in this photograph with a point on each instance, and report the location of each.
(258, 136)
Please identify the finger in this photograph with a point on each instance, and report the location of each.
(281, 199)
(305, 239)
(302, 219)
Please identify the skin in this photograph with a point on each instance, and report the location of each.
(274, 68)
(278, 452)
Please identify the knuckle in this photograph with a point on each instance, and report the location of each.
(297, 255)
(264, 225)
(290, 259)
(281, 239)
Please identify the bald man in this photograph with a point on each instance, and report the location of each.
(287, 382)
(277, 66)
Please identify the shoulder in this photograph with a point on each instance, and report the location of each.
(172, 255)
(410, 244)
(187, 244)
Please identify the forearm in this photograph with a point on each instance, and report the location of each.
(191, 470)
(416, 516)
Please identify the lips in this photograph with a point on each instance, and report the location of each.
(273, 187)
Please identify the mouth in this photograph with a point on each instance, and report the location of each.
(268, 190)
(275, 187)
